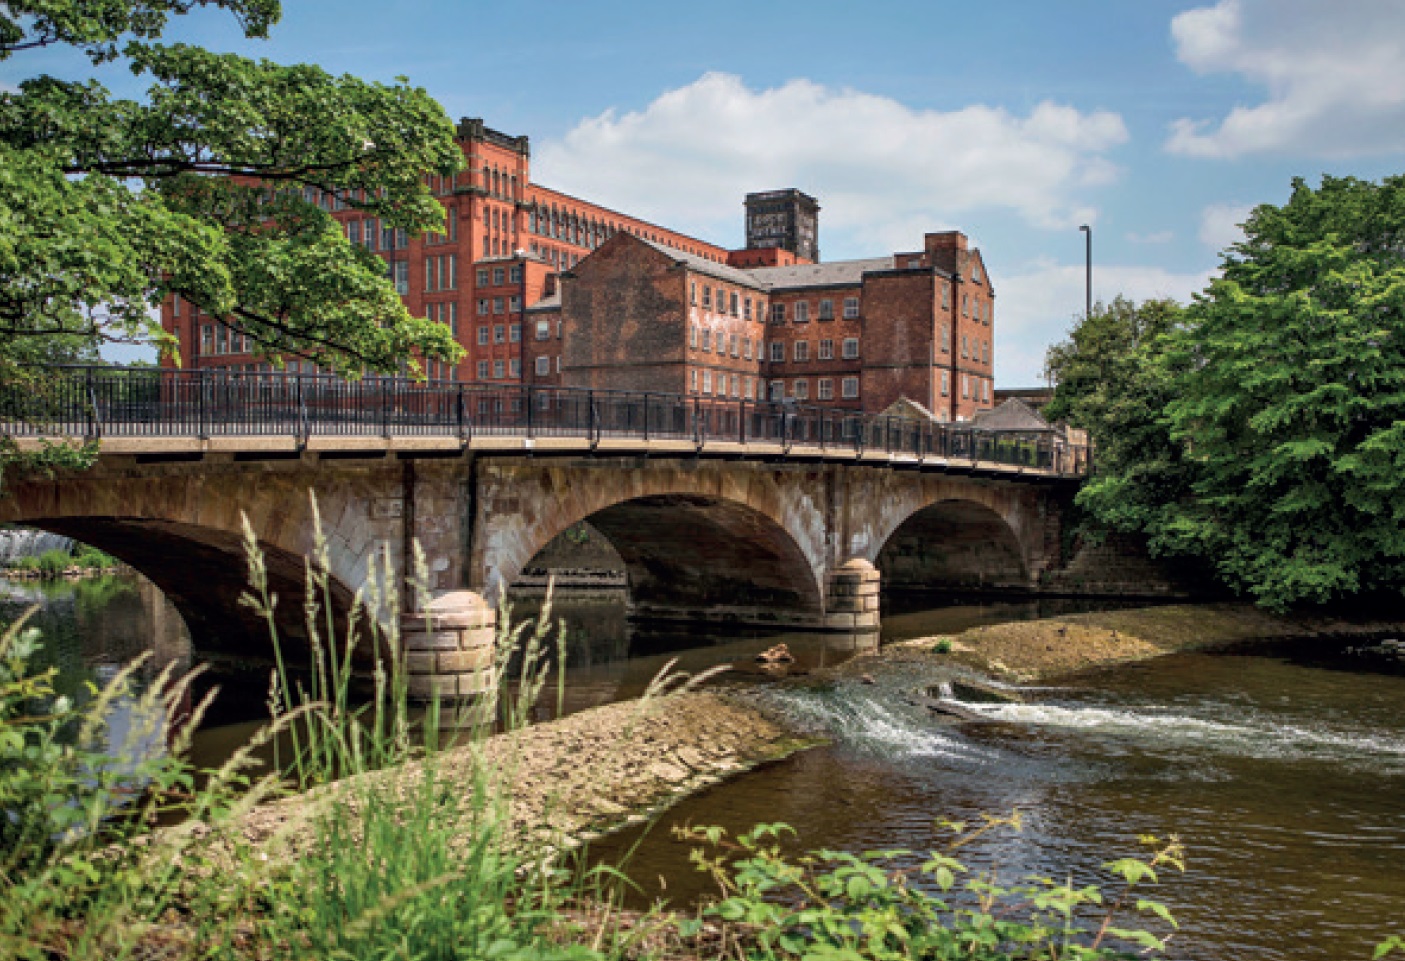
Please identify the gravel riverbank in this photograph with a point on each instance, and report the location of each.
(1026, 651)
(570, 779)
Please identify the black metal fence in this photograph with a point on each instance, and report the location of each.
(95, 402)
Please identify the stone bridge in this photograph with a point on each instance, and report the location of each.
(751, 534)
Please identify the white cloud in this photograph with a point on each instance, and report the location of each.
(883, 172)
(1151, 237)
(1036, 307)
(1334, 75)
(1219, 224)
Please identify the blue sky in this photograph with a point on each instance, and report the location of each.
(1158, 122)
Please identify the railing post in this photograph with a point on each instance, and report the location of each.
(201, 413)
(302, 428)
(591, 425)
(697, 421)
(528, 397)
(741, 421)
(459, 412)
(646, 417)
(94, 421)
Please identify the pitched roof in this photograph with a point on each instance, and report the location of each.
(833, 274)
(709, 268)
(551, 301)
(1014, 414)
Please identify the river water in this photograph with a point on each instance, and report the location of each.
(1281, 766)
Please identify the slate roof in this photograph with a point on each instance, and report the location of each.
(709, 268)
(1014, 414)
(833, 274)
(550, 302)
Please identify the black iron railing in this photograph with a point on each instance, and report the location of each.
(96, 402)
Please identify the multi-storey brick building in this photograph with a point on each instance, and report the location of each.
(543, 288)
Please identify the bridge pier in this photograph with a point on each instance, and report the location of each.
(852, 597)
(448, 647)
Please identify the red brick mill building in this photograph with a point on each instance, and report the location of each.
(543, 288)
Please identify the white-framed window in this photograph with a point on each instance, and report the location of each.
(514, 274)
(826, 349)
(693, 336)
(543, 330)
(514, 304)
(482, 335)
(499, 334)
(482, 276)
(746, 308)
(515, 365)
(965, 305)
(707, 297)
(482, 370)
(802, 351)
(482, 306)
(498, 369)
(499, 305)
(543, 366)
(693, 380)
(454, 318)
(826, 309)
(802, 311)
(707, 340)
(497, 276)
(946, 297)
(746, 348)
(736, 345)
(946, 382)
(514, 332)
(965, 351)
(850, 387)
(693, 293)
(800, 390)
(736, 385)
(824, 388)
(851, 308)
(736, 304)
(985, 389)
(748, 388)
(777, 352)
(851, 348)
(965, 385)
(778, 313)
(777, 390)
(946, 339)
(707, 382)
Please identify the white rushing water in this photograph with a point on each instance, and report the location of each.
(1251, 734)
(26, 542)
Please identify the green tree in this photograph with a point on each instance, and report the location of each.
(1292, 398)
(1262, 430)
(206, 188)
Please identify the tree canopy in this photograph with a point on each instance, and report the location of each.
(206, 189)
(1263, 430)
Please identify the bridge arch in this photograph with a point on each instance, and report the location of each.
(692, 540)
(183, 531)
(949, 533)
(953, 544)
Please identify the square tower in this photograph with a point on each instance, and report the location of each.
(789, 219)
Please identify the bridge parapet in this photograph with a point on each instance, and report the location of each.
(303, 411)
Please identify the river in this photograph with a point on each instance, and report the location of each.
(1281, 766)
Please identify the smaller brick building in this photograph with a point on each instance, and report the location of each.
(856, 334)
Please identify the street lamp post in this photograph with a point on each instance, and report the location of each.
(1088, 291)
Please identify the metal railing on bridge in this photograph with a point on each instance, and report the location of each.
(96, 402)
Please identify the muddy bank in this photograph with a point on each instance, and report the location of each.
(567, 780)
(1027, 651)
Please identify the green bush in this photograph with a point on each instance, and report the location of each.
(868, 907)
